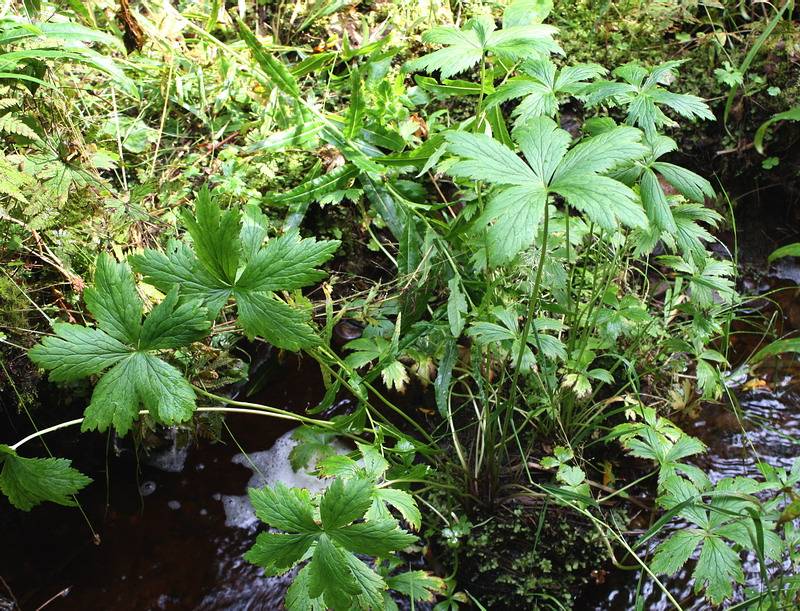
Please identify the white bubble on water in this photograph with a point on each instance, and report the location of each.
(270, 467)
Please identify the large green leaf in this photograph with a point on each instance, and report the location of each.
(542, 88)
(30, 481)
(655, 202)
(346, 527)
(286, 262)
(137, 377)
(466, 48)
(228, 259)
(513, 213)
(643, 92)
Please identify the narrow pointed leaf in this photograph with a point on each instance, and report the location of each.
(271, 65)
(655, 202)
(113, 300)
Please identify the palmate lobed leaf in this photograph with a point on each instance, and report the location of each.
(643, 94)
(172, 324)
(179, 266)
(136, 378)
(215, 236)
(604, 200)
(140, 379)
(228, 259)
(672, 553)
(286, 263)
(672, 223)
(466, 48)
(28, 482)
(512, 216)
(264, 315)
(717, 570)
(334, 577)
(541, 86)
(401, 500)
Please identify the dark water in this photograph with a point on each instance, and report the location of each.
(163, 538)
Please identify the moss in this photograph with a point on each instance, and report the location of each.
(527, 558)
(13, 305)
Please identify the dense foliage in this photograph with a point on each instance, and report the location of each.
(521, 242)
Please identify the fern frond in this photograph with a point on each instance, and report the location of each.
(11, 124)
(13, 182)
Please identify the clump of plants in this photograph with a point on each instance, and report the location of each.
(548, 287)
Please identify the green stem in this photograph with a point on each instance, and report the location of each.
(532, 302)
(318, 356)
(259, 410)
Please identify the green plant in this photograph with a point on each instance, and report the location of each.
(540, 266)
(720, 520)
(643, 93)
(793, 114)
(469, 46)
(127, 347)
(352, 519)
(228, 258)
(26, 482)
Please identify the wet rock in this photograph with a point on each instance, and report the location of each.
(171, 459)
(347, 330)
(147, 488)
